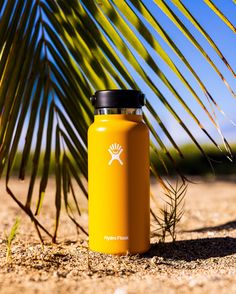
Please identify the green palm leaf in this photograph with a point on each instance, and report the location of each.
(54, 54)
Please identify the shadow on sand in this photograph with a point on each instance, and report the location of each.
(191, 250)
(227, 226)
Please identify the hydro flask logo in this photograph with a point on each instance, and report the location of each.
(115, 150)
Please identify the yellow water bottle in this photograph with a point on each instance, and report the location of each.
(118, 174)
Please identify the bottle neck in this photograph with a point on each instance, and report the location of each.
(133, 111)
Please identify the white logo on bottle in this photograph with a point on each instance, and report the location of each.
(115, 150)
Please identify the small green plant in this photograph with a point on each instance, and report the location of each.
(10, 237)
(172, 211)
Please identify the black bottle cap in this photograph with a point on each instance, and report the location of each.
(118, 99)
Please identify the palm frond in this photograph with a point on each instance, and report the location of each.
(220, 14)
(191, 18)
(169, 12)
(54, 54)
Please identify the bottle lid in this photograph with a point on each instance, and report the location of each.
(118, 99)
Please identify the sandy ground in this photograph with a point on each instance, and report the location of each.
(202, 260)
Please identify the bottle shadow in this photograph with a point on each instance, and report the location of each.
(192, 250)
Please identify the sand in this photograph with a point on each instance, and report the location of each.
(202, 260)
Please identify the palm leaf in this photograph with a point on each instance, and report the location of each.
(167, 10)
(47, 157)
(220, 14)
(189, 16)
(54, 54)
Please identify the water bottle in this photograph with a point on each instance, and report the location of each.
(118, 174)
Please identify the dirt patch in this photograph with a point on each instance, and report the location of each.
(202, 260)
